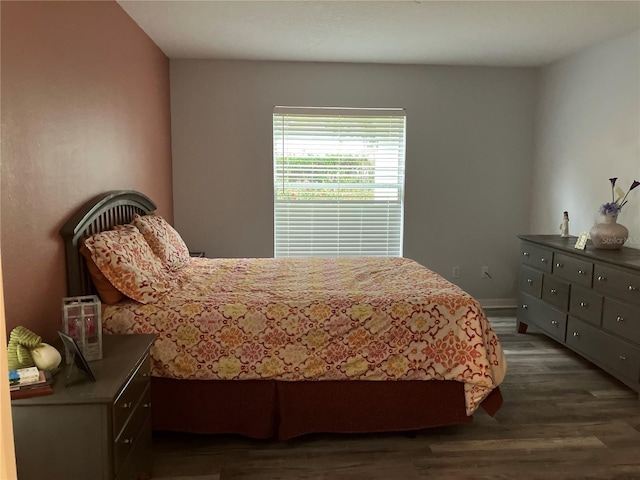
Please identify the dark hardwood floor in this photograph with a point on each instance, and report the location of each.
(562, 418)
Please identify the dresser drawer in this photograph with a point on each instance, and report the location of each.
(530, 281)
(130, 395)
(612, 353)
(534, 311)
(623, 285)
(573, 269)
(535, 256)
(131, 430)
(585, 304)
(555, 292)
(622, 319)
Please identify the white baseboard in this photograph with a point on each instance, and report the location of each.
(498, 302)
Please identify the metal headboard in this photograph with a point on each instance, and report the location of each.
(97, 215)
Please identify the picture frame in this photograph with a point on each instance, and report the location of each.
(581, 244)
(77, 359)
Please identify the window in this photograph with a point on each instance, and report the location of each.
(338, 181)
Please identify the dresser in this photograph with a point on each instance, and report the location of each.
(588, 300)
(91, 430)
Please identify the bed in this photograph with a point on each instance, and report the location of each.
(285, 347)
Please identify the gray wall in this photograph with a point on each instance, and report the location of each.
(469, 156)
(588, 130)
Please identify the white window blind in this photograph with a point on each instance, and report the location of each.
(339, 181)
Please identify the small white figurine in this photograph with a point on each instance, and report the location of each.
(564, 226)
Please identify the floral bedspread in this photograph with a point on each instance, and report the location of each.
(316, 319)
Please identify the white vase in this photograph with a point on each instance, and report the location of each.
(609, 235)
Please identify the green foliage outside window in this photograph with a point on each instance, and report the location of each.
(329, 177)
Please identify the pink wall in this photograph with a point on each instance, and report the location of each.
(85, 109)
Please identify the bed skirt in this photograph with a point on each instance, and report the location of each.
(274, 409)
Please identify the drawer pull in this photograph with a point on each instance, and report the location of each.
(525, 306)
(127, 404)
(529, 281)
(619, 319)
(581, 272)
(584, 304)
(146, 374)
(623, 358)
(576, 334)
(554, 322)
(553, 291)
(543, 260)
(525, 254)
(128, 440)
(632, 288)
(559, 265)
(601, 278)
(146, 405)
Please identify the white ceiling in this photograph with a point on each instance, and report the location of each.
(497, 33)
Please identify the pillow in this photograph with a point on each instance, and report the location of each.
(163, 239)
(107, 292)
(126, 226)
(128, 263)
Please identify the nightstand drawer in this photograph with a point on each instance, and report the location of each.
(586, 305)
(537, 257)
(530, 281)
(555, 291)
(622, 319)
(130, 395)
(573, 269)
(140, 457)
(623, 285)
(129, 434)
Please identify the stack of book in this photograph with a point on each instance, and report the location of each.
(29, 382)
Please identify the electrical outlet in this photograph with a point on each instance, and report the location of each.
(456, 272)
(484, 273)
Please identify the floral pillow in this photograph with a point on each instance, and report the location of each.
(126, 226)
(108, 293)
(163, 239)
(128, 263)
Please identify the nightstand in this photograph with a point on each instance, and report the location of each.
(91, 430)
